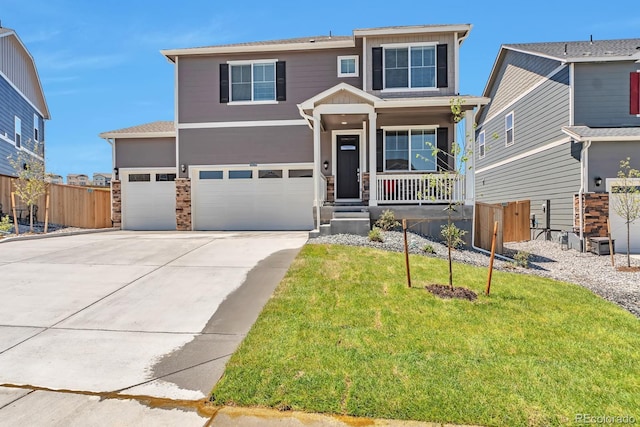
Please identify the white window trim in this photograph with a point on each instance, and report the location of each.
(408, 129)
(252, 62)
(36, 128)
(357, 71)
(17, 122)
(482, 153)
(408, 46)
(513, 129)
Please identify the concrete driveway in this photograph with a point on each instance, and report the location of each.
(120, 324)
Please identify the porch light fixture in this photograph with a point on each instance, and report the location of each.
(183, 168)
(344, 123)
(115, 172)
(325, 165)
(598, 181)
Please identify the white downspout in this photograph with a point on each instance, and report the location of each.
(112, 142)
(583, 172)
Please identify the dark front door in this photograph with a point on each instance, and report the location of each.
(348, 164)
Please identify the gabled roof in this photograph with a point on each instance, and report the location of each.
(157, 129)
(316, 42)
(44, 108)
(583, 51)
(586, 133)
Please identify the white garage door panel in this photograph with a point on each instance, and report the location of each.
(148, 205)
(253, 204)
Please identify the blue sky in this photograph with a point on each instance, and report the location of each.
(101, 69)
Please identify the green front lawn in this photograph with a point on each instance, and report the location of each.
(343, 334)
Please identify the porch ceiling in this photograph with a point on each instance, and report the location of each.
(344, 121)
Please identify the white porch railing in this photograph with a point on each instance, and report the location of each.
(420, 188)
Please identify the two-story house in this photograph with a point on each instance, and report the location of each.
(267, 134)
(77, 179)
(23, 108)
(562, 116)
(101, 179)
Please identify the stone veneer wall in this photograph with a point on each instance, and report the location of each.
(596, 213)
(331, 189)
(365, 187)
(116, 203)
(183, 204)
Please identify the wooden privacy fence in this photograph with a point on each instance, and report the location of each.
(68, 205)
(513, 220)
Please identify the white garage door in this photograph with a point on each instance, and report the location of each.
(148, 199)
(618, 223)
(272, 197)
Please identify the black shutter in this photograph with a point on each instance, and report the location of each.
(281, 81)
(443, 149)
(224, 83)
(443, 77)
(376, 59)
(379, 150)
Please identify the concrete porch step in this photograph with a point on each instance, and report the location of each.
(359, 226)
(351, 214)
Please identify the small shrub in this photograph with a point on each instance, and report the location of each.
(387, 221)
(375, 235)
(428, 249)
(5, 224)
(521, 259)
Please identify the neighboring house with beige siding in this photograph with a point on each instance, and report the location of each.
(562, 115)
(77, 179)
(23, 108)
(279, 135)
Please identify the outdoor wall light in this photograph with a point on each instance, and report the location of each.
(598, 181)
(325, 165)
(183, 168)
(115, 172)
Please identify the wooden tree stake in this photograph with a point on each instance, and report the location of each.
(46, 212)
(15, 217)
(406, 251)
(493, 254)
(613, 262)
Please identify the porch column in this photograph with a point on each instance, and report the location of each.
(373, 182)
(470, 166)
(316, 165)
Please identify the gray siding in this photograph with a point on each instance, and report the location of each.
(553, 174)
(16, 64)
(145, 152)
(602, 94)
(308, 73)
(538, 119)
(232, 146)
(517, 73)
(12, 105)
(443, 38)
(604, 161)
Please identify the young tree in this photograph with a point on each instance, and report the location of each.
(626, 198)
(31, 183)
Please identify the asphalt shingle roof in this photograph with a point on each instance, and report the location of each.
(581, 50)
(316, 39)
(153, 127)
(586, 132)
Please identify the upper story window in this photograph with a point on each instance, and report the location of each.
(253, 81)
(36, 127)
(410, 150)
(348, 66)
(410, 67)
(261, 81)
(508, 129)
(481, 145)
(18, 132)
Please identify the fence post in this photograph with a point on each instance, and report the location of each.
(46, 212)
(15, 217)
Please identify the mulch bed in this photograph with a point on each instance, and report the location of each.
(445, 292)
(628, 269)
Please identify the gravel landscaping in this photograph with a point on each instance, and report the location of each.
(546, 259)
(38, 228)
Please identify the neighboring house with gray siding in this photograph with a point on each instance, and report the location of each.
(562, 115)
(23, 108)
(273, 135)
